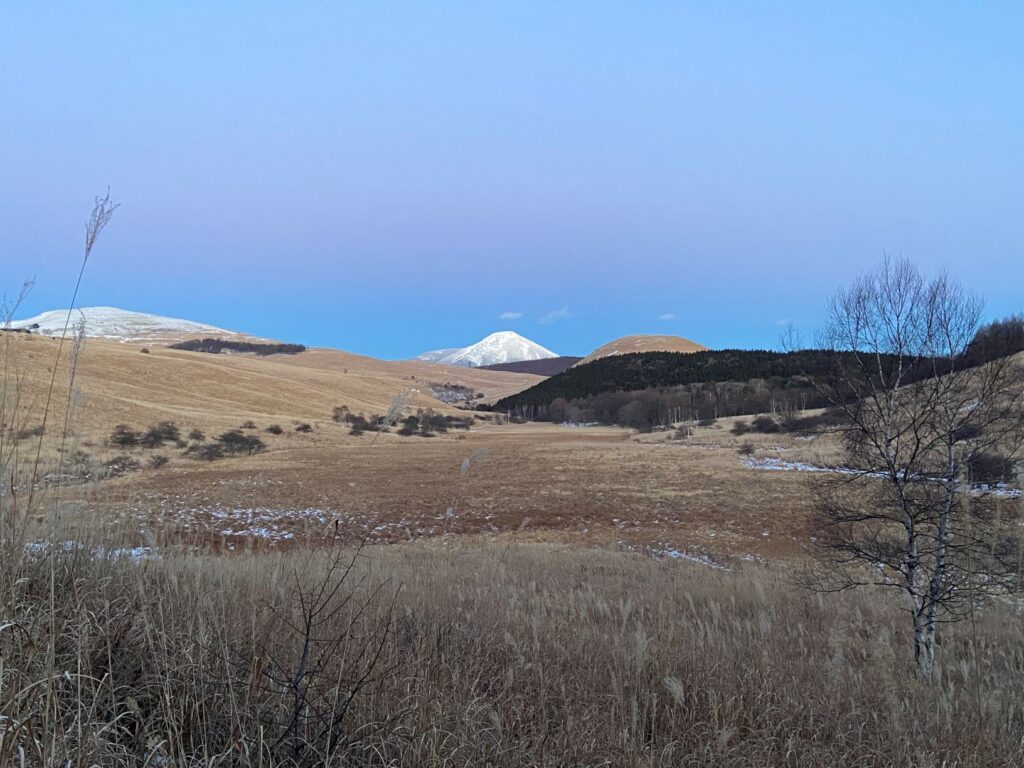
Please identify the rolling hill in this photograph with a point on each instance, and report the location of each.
(628, 345)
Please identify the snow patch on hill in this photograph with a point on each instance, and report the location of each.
(114, 323)
(500, 347)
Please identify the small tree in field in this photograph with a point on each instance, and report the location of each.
(916, 416)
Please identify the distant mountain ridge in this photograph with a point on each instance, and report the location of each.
(498, 348)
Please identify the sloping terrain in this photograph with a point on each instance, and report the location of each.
(628, 345)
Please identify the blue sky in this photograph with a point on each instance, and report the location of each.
(393, 177)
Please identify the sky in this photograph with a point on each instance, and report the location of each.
(389, 178)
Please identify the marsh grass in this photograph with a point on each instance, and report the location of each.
(487, 655)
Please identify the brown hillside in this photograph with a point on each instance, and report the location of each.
(644, 343)
(117, 383)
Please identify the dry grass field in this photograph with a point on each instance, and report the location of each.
(524, 594)
(599, 486)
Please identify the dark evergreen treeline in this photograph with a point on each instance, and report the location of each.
(648, 389)
(217, 346)
(648, 370)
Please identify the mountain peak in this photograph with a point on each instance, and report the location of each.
(498, 347)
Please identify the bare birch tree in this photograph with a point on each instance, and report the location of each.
(903, 510)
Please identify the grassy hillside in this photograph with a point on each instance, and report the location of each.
(128, 383)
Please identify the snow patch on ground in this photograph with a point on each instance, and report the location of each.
(775, 464)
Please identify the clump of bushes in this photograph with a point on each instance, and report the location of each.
(206, 451)
(218, 346)
(991, 467)
(123, 436)
(234, 442)
(764, 425)
(428, 423)
(160, 433)
(237, 442)
(275, 429)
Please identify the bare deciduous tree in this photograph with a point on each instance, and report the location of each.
(919, 417)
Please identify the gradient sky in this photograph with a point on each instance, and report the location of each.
(393, 177)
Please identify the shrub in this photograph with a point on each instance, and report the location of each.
(741, 427)
(275, 429)
(747, 449)
(196, 435)
(304, 428)
(708, 422)
(36, 431)
(206, 451)
(235, 442)
(356, 430)
(124, 437)
(341, 414)
(160, 433)
(990, 467)
(155, 462)
(249, 425)
(765, 425)
(145, 351)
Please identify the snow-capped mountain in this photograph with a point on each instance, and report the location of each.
(113, 323)
(501, 347)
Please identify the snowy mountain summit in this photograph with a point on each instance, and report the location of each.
(117, 324)
(501, 347)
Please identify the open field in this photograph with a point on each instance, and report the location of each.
(538, 482)
(598, 486)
